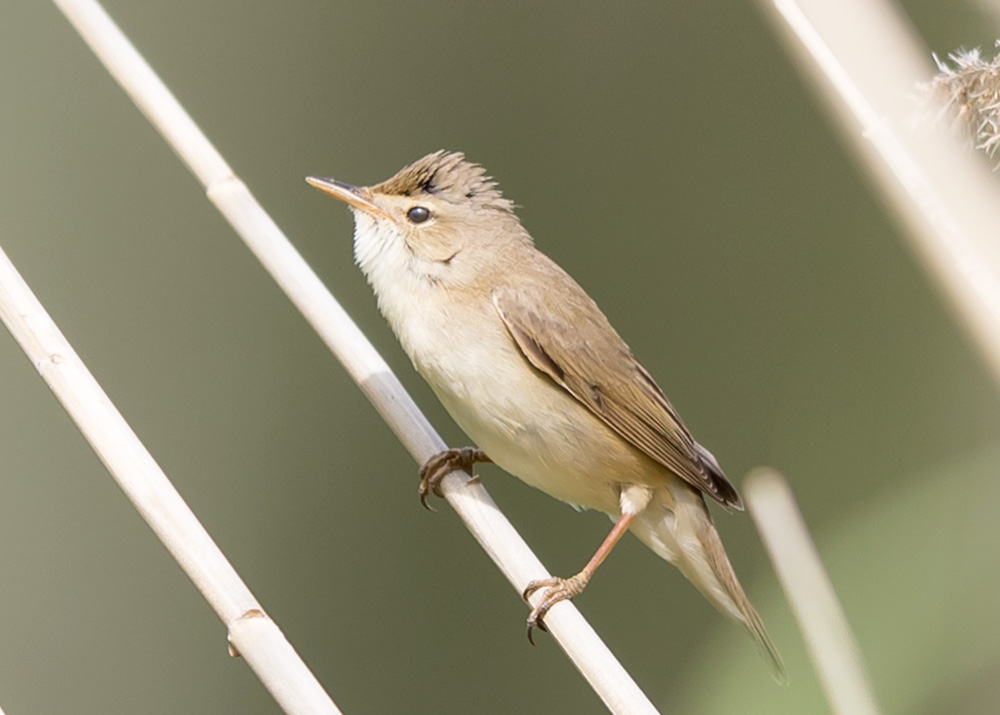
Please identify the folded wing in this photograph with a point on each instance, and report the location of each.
(581, 352)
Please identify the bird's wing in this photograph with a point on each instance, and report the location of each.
(581, 352)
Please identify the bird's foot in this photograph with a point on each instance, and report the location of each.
(437, 467)
(559, 589)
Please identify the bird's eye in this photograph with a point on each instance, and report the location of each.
(418, 214)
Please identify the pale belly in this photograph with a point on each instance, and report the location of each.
(531, 427)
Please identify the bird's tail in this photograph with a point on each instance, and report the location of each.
(677, 526)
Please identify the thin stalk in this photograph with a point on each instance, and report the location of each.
(864, 61)
(831, 644)
(251, 631)
(231, 196)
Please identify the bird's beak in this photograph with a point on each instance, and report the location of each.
(350, 195)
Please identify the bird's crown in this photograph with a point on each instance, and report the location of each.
(448, 176)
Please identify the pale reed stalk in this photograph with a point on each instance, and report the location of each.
(864, 61)
(469, 499)
(832, 647)
(251, 632)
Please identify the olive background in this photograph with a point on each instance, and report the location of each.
(669, 157)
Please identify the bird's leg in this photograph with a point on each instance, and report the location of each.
(560, 589)
(437, 467)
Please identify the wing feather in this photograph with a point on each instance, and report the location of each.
(581, 352)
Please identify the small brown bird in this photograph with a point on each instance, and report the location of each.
(531, 369)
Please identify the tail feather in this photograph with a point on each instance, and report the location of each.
(678, 527)
(723, 572)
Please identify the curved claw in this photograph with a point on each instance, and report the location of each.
(441, 464)
(425, 487)
(559, 589)
(423, 501)
(532, 624)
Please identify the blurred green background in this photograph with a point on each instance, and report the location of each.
(668, 156)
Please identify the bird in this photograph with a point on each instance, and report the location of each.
(533, 372)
